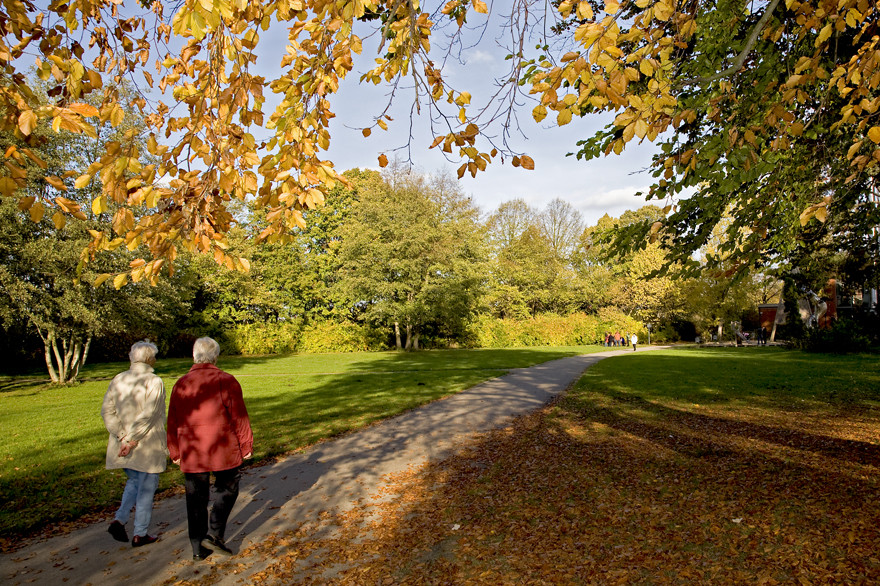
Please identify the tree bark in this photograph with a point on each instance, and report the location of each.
(397, 335)
(82, 360)
(48, 348)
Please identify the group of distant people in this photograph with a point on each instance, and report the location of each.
(616, 339)
(208, 433)
(761, 336)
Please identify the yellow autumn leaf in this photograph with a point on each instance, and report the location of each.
(584, 10)
(824, 34)
(366, 132)
(36, 211)
(874, 134)
(27, 121)
(56, 182)
(84, 109)
(565, 7)
(59, 220)
(99, 205)
(480, 6)
(564, 117)
(527, 162)
(612, 6)
(120, 280)
(82, 181)
(539, 113)
(383, 161)
(664, 9)
(101, 279)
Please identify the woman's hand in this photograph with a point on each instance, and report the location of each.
(126, 448)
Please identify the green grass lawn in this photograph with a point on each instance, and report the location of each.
(52, 459)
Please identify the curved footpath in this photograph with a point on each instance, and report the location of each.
(329, 476)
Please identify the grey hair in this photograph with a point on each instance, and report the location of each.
(144, 351)
(206, 351)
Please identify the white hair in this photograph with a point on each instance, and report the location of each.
(206, 351)
(144, 351)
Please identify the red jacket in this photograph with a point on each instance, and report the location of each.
(208, 425)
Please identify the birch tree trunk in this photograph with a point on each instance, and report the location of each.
(48, 347)
(69, 356)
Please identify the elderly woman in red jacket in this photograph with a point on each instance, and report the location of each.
(209, 432)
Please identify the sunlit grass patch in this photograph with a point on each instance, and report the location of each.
(52, 458)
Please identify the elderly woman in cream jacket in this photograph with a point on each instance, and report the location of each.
(134, 415)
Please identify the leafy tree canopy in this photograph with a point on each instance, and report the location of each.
(753, 102)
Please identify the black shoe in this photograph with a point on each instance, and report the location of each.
(141, 540)
(117, 530)
(216, 545)
(202, 555)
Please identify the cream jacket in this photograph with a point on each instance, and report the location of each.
(134, 410)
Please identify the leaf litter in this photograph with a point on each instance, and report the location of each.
(596, 491)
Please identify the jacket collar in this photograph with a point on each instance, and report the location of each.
(141, 367)
(202, 366)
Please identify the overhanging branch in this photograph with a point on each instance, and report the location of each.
(741, 58)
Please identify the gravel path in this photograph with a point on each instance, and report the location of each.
(330, 476)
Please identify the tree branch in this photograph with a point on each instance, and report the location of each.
(741, 58)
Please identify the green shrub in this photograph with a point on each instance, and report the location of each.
(263, 338)
(287, 337)
(552, 330)
(329, 336)
(844, 336)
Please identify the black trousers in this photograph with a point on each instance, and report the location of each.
(198, 491)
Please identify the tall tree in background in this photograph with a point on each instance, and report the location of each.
(561, 225)
(38, 257)
(510, 221)
(412, 255)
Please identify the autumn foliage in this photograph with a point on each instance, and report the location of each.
(213, 138)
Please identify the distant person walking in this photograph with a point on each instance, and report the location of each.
(209, 432)
(134, 414)
(635, 340)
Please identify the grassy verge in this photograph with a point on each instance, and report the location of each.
(52, 458)
(693, 466)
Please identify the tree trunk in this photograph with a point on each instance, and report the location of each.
(409, 338)
(48, 348)
(397, 335)
(779, 309)
(69, 357)
(720, 330)
(82, 360)
(415, 341)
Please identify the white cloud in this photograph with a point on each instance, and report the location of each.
(477, 56)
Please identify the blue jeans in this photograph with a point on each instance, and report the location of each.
(138, 494)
